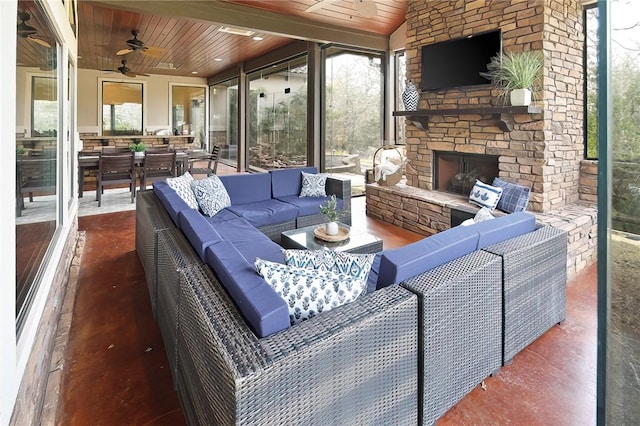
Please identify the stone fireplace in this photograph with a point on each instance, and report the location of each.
(457, 173)
(541, 148)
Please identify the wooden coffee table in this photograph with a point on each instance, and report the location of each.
(358, 242)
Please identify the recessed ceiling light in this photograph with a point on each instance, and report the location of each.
(217, 59)
(258, 38)
(194, 72)
(236, 31)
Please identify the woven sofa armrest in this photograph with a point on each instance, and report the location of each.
(341, 188)
(356, 364)
(461, 328)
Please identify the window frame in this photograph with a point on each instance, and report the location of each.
(102, 80)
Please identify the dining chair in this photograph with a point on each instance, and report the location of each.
(34, 174)
(116, 169)
(197, 158)
(157, 165)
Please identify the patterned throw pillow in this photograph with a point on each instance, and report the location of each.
(355, 265)
(485, 195)
(308, 292)
(182, 185)
(211, 195)
(313, 185)
(515, 198)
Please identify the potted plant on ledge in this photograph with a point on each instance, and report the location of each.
(517, 74)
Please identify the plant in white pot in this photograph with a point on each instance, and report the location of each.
(330, 210)
(516, 74)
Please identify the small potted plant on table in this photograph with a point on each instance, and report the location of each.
(138, 149)
(516, 74)
(330, 210)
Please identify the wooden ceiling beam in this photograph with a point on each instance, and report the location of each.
(235, 15)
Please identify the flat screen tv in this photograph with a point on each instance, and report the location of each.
(458, 62)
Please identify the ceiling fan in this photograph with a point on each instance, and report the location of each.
(125, 70)
(364, 8)
(27, 31)
(137, 45)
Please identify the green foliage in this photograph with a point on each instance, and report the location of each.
(330, 209)
(137, 147)
(515, 70)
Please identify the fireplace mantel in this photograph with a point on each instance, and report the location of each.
(501, 114)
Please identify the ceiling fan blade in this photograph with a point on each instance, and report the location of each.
(39, 41)
(154, 52)
(317, 6)
(130, 74)
(366, 8)
(123, 52)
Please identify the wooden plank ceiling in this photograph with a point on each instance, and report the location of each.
(188, 45)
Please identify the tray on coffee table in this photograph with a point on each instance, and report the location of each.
(359, 241)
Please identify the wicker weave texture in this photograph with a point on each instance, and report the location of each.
(151, 218)
(461, 324)
(174, 255)
(353, 365)
(274, 231)
(535, 286)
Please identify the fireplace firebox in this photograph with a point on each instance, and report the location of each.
(457, 173)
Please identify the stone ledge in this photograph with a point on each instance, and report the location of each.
(428, 212)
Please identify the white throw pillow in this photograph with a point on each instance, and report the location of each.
(355, 265)
(308, 292)
(211, 195)
(182, 185)
(485, 195)
(313, 185)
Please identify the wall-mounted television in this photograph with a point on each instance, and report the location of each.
(458, 62)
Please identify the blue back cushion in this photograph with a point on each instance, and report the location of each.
(405, 262)
(262, 308)
(170, 199)
(308, 205)
(198, 231)
(288, 181)
(243, 189)
(504, 227)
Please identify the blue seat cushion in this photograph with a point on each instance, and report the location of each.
(170, 199)
(504, 227)
(222, 216)
(243, 189)
(263, 310)
(308, 205)
(372, 279)
(198, 231)
(286, 182)
(250, 242)
(399, 264)
(266, 212)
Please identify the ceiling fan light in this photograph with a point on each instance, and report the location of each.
(236, 31)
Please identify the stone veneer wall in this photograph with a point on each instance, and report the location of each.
(543, 150)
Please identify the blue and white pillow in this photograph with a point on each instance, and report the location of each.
(182, 186)
(355, 265)
(309, 292)
(485, 195)
(515, 198)
(211, 195)
(313, 185)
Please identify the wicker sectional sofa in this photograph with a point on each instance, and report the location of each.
(440, 315)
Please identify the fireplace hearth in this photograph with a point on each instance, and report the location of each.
(457, 173)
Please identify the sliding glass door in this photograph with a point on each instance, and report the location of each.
(353, 110)
(223, 130)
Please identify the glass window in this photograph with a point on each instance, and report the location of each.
(188, 112)
(121, 108)
(224, 119)
(37, 160)
(591, 82)
(400, 83)
(278, 116)
(353, 108)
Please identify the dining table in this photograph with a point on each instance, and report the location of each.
(90, 161)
